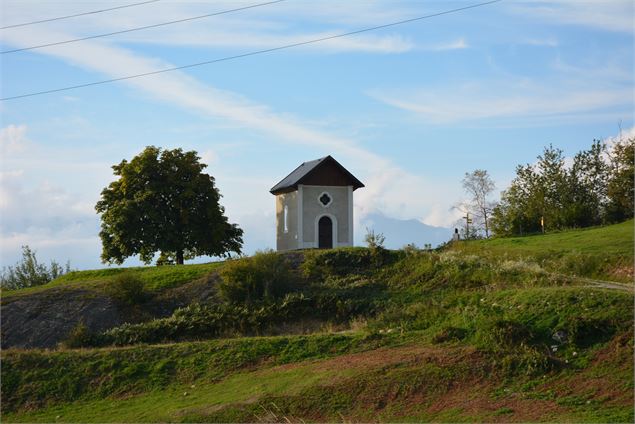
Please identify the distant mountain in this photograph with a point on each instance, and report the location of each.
(399, 232)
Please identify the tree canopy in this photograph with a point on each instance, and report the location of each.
(479, 186)
(597, 188)
(163, 202)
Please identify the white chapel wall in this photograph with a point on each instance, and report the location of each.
(312, 209)
(287, 240)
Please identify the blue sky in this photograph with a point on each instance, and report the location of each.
(408, 109)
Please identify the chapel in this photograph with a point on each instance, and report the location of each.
(314, 206)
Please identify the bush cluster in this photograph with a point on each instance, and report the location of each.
(197, 322)
(127, 288)
(320, 264)
(336, 300)
(266, 276)
(28, 272)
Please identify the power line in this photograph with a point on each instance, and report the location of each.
(141, 28)
(78, 14)
(227, 58)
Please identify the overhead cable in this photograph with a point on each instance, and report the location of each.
(78, 14)
(57, 43)
(254, 53)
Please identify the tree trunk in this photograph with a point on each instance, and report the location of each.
(179, 257)
(486, 224)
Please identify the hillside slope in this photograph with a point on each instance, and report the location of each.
(495, 331)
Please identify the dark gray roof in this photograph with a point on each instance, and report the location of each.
(291, 181)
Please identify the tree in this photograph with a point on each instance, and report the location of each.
(587, 184)
(620, 190)
(478, 185)
(163, 202)
(29, 272)
(596, 188)
(375, 241)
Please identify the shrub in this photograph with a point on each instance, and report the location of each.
(525, 361)
(79, 336)
(586, 332)
(320, 264)
(127, 288)
(448, 334)
(197, 322)
(504, 334)
(29, 272)
(264, 276)
(374, 240)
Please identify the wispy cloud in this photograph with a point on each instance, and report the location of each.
(458, 44)
(183, 91)
(519, 99)
(615, 16)
(12, 139)
(548, 42)
(259, 28)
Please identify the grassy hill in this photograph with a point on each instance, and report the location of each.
(497, 330)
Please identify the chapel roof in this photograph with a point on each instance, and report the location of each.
(322, 171)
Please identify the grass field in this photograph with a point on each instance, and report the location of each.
(467, 334)
(155, 278)
(600, 252)
(611, 240)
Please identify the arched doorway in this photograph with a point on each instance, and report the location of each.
(325, 233)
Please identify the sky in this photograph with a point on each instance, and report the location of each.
(408, 109)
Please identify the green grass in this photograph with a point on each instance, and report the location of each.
(155, 278)
(181, 401)
(479, 315)
(599, 252)
(610, 240)
(35, 377)
(418, 388)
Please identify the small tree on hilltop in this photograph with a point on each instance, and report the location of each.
(374, 240)
(163, 202)
(29, 272)
(478, 185)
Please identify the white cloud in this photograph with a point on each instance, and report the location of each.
(504, 100)
(616, 16)
(209, 157)
(610, 71)
(12, 139)
(441, 215)
(181, 90)
(626, 134)
(458, 44)
(549, 42)
(259, 28)
(42, 216)
(210, 37)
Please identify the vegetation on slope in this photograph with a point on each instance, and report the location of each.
(599, 252)
(482, 331)
(155, 278)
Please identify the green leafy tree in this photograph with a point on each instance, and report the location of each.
(29, 272)
(163, 202)
(620, 185)
(587, 179)
(521, 205)
(596, 188)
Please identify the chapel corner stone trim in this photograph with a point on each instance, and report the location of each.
(314, 206)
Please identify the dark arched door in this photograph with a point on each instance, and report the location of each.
(325, 233)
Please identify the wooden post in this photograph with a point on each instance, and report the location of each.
(542, 224)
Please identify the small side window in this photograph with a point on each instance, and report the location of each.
(286, 219)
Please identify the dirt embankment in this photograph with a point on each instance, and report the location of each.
(44, 319)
